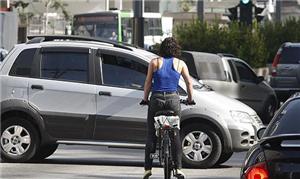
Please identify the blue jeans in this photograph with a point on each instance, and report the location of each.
(158, 102)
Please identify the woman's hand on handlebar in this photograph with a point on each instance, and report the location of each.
(144, 102)
(187, 102)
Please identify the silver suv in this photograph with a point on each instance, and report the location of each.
(285, 77)
(75, 90)
(234, 78)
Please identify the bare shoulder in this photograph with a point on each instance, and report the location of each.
(180, 63)
(154, 62)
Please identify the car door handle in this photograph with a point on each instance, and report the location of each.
(38, 87)
(104, 93)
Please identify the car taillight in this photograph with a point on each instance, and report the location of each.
(258, 171)
(275, 63)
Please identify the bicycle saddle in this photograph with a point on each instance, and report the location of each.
(165, 113)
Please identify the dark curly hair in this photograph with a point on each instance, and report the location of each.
(170, 48)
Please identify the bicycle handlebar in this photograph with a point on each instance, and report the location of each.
(187, 102)
(182, 101)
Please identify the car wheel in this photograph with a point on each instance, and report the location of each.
(201, 146)
(45, 151)
(224, 157)
(269, 111)
(19, 140)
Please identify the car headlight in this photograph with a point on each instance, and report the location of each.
(241, 117)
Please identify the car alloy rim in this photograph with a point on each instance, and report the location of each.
(15, 140)
(197, 146)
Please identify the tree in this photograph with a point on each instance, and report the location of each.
(56, 4)
(24, 16)
(244, 41)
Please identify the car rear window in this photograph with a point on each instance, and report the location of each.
(287, 121)
(210, 68)
(290, 55)
(189, 60)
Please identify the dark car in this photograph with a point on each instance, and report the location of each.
(285, 77)
(277, 154)
(234, 78)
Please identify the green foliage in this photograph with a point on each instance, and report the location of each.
(57, 4)
(257, 44)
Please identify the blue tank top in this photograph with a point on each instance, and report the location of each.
(166, 78)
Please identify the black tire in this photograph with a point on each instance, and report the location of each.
(166, 158)
(269, 110)
(20, 138)
(45, 151)
(189, 150)
(224, 157)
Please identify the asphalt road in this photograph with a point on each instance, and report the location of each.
(91, 162)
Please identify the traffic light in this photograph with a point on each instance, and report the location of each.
(258, 16)
(246, 12)
(233, 16)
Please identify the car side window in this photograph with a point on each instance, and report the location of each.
(23, 64)
(245, 73)
(65, 66)
(123, 72)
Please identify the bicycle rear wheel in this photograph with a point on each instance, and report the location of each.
(167, 157)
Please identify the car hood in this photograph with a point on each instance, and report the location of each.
(217, 102)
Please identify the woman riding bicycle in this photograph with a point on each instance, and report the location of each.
(165, 72)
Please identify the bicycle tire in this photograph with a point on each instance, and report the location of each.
(167, 154)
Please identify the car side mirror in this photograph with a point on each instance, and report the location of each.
(261, 132)
(260, 79)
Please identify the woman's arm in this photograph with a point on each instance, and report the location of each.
(186, 76)
(148, 81)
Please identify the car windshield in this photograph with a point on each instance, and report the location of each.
(287, 121)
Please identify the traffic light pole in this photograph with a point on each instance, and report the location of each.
(200, 10)
(138, 23)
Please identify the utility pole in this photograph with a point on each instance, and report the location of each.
(278, 10)
(200, 10)
(138, 23)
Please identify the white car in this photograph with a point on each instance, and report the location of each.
(76, 90)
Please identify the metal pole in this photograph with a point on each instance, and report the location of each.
(200, 10)
(107, 5)
(278, 10)
(8, 4)
(138, 23)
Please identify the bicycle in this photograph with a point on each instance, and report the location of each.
(165, 124)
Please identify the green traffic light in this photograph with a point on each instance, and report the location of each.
(245, 1)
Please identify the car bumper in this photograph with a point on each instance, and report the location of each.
(243, 136)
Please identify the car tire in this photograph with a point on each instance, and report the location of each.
(269, 110)
(45, 151)
(224, 157)
(201, 146)
(19, 140)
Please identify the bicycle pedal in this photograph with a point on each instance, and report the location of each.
(154, 156)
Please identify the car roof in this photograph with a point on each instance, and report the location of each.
(290, 44)
(203, 55)
(86, 42)
(212, 56)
